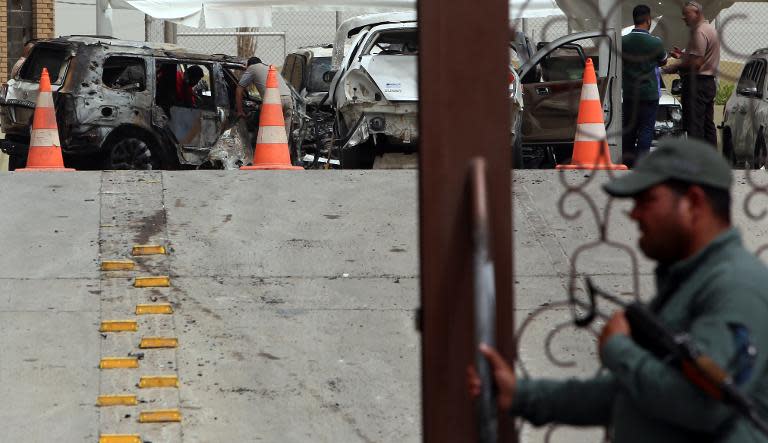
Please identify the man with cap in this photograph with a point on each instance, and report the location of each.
(708, 286)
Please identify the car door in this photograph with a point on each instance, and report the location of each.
(552, 81)
(195, 126)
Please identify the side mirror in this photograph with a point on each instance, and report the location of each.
(677, 87)
(328, 75)
(747, 87)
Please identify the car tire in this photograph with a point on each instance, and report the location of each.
(728, 147)
(761, 154)
(131, 154)
(358, 157)
(16, 161)
(517, 145)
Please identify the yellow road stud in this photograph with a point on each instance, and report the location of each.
(160, 381)
(117, 265)
(158, 342)
(117, 400)
(162, 281)
(148, 250)
(119, 363)
(160, 308)
(160, 416)
(119, 438)
(119, 326)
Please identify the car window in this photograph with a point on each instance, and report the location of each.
(52, 58)
(124, 73)
(297, 73)
(176, 89)
(754, 71)
(315, 83)
(397, 42)
(566, 62)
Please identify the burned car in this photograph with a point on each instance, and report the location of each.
(132, 105)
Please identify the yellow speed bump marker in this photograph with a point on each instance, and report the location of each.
(117, 400)
(148, 250)
(160, 308)
(117, 265)
(119, 363)
(162, 281)
(119, 438)
(119, 326)
(160, 381)
(158, 342)
(160, 416)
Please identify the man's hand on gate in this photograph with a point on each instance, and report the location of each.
(503, 374)
(617, 325)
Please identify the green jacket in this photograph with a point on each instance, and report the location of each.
(641, 54)
(644, 399)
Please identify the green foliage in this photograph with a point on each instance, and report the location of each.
(724, 91)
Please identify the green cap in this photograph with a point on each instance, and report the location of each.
(686, 160)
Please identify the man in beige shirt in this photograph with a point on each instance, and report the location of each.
(697, 69)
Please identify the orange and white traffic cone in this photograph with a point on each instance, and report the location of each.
(590, 146)
(44, 146)
(271, 151)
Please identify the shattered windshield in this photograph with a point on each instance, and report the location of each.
(320, 65)
(398, 42)
(52, 58)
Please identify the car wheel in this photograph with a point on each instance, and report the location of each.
(761, 155)
(16, 162)
(358, 157)
(728, 147)
(517, 145)
(131, 153)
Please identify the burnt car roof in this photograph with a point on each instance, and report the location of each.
(137, 47)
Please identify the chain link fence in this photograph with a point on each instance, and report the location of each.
(742, 31)
(290, 30)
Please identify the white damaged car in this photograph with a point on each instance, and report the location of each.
(375, 90)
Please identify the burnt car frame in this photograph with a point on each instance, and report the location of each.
(117, 106)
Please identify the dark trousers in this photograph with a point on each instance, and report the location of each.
(698, 99)
(638, 121)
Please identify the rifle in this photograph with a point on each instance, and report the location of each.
(700, 369)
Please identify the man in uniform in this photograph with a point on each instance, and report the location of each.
(708, 285)
(642, 54)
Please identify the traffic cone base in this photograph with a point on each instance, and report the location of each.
(590, 145)
(271, 151)
(44, 145)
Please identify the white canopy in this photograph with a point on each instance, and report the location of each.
(258, 13)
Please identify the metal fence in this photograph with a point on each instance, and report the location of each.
(742, 31)
(289, 30)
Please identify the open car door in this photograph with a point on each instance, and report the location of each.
(552, 81)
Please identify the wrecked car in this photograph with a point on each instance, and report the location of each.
(304, 69)
(374, 89)
(132, 105)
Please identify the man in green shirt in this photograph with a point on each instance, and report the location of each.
(642, 54)
(708, 286)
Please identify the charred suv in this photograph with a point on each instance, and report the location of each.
(127, 105)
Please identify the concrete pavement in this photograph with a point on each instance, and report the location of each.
(293, 295)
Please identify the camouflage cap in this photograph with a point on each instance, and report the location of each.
(685, 160)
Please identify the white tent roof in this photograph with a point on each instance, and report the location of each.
(258, 13)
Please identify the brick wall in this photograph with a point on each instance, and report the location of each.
(43, 24)
(3, 40)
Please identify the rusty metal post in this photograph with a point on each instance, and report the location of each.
(464, 113)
